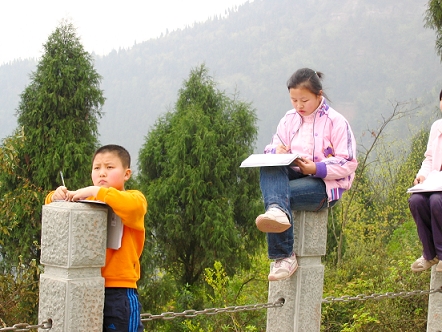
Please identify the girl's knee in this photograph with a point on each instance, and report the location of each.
(416, 199)
(436, 201)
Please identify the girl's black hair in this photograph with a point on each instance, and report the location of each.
(440, 95)
(308, 79)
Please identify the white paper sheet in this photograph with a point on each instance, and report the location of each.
(269, 159)
(432, 183)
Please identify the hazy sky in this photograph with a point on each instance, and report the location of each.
(25, 25)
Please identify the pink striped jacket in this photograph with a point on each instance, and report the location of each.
(334, 151)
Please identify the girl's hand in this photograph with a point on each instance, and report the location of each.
(60, 194)
(419, 179)
(282, 149)
(306, 166)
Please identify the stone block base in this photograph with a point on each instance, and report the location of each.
(72, 304)
(302, 293)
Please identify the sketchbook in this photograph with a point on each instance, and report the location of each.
(432, 183)
(269, 159)
(114, 231)
(91, 201)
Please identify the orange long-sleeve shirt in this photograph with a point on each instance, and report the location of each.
(122, 267)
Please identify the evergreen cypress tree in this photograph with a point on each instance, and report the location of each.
(57, 116)
(202, 206)
(433, 20)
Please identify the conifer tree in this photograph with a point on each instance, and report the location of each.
(57, 116)
(433, 20)
(202, 206)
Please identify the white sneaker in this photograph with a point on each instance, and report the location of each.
(421, 264)
(273, 221)
(283, 268)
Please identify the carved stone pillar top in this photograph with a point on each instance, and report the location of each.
(73, 235)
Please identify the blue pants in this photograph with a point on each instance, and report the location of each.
(289, 190)
(426, 209)
(122, 310)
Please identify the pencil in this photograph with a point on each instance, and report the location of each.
(62, 179)
(281, 140)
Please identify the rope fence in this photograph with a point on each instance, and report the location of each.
(47, 324)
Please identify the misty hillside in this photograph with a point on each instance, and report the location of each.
(372, 54)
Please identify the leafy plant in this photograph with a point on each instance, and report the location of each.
(19, 295)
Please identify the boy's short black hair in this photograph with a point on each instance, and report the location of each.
(121, 152)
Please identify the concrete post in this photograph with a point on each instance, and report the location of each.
(73, 250)
(434, 320)
(302, 292)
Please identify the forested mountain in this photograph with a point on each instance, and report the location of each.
(373, 53)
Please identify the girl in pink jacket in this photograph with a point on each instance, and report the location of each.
(324, 140)
(426, 207)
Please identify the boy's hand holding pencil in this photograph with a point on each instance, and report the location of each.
(60, 192)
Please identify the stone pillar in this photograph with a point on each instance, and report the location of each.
(434, 320)
(302, 292)
(73, 250)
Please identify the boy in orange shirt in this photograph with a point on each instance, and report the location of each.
(110, 171)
